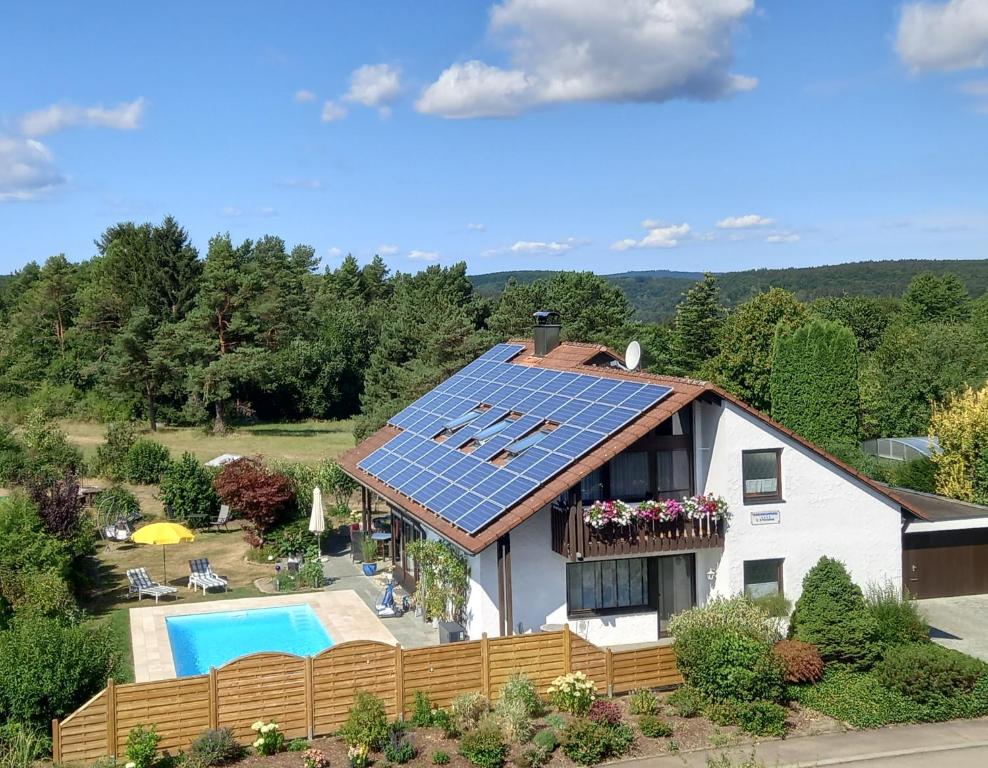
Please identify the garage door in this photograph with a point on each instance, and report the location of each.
(945, 563)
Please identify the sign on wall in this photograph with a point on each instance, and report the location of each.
(766, 517)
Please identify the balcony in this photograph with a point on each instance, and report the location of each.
(571, 535)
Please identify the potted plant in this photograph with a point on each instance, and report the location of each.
(368, 547)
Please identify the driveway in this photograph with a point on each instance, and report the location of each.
(959, 622)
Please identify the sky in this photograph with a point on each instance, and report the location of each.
(608, 135)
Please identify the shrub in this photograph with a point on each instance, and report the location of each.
(440, 758)
(484, 746)
(49, 668)
(520, 688)
(857, 698)
(737, 614)
(588, 743)
(367, 723)
(358, 757)
(775, 606)
(215, 747)
(545, 740)
(897, 617)
(297, 745)
(513, 720)
(443, 720)
(58, 503)
(801, 661)
(117, 503)
(270, 740)
(422, 710)
(42, 594)
(762, 718)
(111, 456)
(654, 727)
(687, 701)
(924, 672)
(832, 614)
(725, 664)
(21, 747)
(573, 693)
(314, 758)
(605, 712)
(260, 496)
(467, 710)
(50, 454)
(142, 746)
(399, 749)
(25, 545)
(13, 457)
(147, 462)
(643, 702)
(187, 491)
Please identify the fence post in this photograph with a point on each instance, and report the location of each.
(567, 650)
(609, 656)
(485, 665)
(56, 742)
(111, 718)
(310, 703)
(399, 682)
(213, 699)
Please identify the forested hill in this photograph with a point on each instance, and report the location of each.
(654, 294)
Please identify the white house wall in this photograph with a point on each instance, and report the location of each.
(824, 512)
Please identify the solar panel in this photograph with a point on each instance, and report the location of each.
(456, 479)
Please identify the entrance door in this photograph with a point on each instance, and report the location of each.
(945, 563)
(676, 587)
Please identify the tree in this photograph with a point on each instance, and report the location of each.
(187, 491)
(699, 319)
(866, 316)
(814, 383)
(933, 299)
(961, 425)
(743, 365)
(259, 495)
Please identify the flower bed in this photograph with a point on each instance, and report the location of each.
(602, 514)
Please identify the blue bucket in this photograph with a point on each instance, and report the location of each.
(370, 569)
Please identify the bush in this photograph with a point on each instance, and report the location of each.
(762, 718)
(653, 727)
(298, 745)
(440, 758)
(49, 668)
(925, 672)
(187, 491)
(215, 746)
(467, 710)
(573, 693)
(643, 702)
(147, 462)
(25, 545)
(367, 723)
(897, 617)
(422, 710)
(520, 688)
(832, 614)
(737, 614)
(775, 606)
(50, 454)
(270, 740)
(484, 746)
(117, 503)
(512, 718)
(39, 595)
(801, 661)
(687, 701)
(142, 746)
(22, 747)
(728, 665)
(588, 743)
(540, 753)
(58, 503)
(13, 457)
(399, 749)
(111, 456)
(443, 720)
(262, 497)
(605, 712)
(857, 698)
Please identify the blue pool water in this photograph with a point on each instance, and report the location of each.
(212, 639)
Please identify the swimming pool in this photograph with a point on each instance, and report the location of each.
(201, 641)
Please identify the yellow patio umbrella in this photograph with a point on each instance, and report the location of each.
(162, 534)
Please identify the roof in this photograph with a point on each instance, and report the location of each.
(935, 509)
(591, 359)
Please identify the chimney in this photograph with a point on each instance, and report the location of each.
(547, 330)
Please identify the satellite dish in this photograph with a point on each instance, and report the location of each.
(632, 356)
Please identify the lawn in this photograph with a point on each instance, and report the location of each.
(308, 441)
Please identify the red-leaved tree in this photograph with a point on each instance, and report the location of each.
(59, 505)
(261, 497)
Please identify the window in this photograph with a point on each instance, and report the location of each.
(762, 578)
(488, 432)
(762, 474)
(606, 586)
(528, 441)
(459, 421)
(629, 476)
(673, 474)
(592, 487)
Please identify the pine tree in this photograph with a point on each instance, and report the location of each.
(933, 299)
(696, 332)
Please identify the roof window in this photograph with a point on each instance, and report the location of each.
(461, 420)
(488, 432)
(533, 438)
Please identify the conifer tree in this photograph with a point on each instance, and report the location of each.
(696, 332)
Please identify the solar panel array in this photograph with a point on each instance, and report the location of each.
(467, 489)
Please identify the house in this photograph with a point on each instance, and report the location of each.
(513, 459)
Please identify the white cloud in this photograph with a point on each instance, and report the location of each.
(267, 211)
(423, 255)
(123, 117)
(782, 237)
(302, 183)
(302, 96)
(27, 169)
(597, 50)
(659, 235)
(374, 85)
(334, 252)
(944, 35)
(387, 250)
(331, 112)
(536, 246)
(474, 227)
(744, 222)
(232, 211)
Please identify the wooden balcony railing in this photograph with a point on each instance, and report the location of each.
(574, 539)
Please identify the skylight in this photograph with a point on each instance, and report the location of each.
(488, 432)
(528, 441)
(459, 421)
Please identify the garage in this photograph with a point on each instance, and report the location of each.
(945, 547)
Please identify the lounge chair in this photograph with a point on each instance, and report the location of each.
(222, 518)
(201, 575)
(141, 584)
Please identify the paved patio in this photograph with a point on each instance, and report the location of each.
(959, 622)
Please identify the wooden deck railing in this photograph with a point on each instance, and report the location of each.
(311, 696)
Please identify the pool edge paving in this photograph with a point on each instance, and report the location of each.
(342, 613)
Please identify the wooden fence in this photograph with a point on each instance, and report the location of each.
(311, 696)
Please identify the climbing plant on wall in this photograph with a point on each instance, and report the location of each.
(444, 580)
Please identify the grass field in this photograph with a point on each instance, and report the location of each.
(309, 441)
